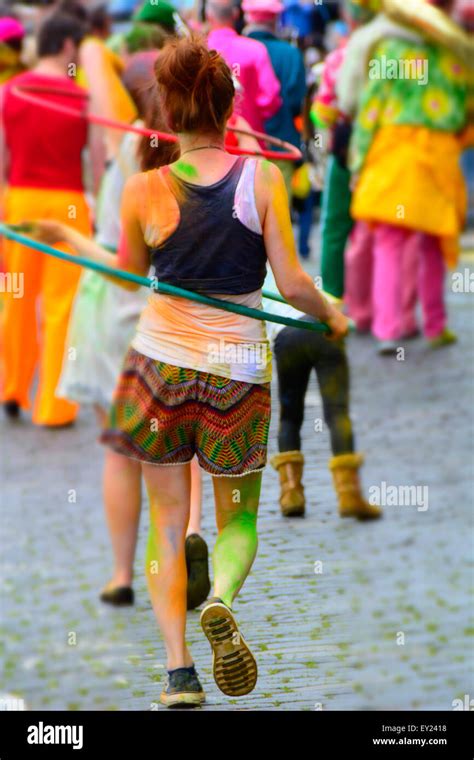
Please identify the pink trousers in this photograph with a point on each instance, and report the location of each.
(387, 269)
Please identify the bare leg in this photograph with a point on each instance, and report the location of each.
(236, 546)
(194, 525)
(121, 486)
(122, 499)
(169, 491)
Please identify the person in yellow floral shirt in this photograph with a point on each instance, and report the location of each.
(405, 160)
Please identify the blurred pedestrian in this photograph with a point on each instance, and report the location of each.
(261, 18)
(405, 158)
(11, 41)
(249, 62)
(100, 71)
(297, 353)
(332, 136)
(43, 170)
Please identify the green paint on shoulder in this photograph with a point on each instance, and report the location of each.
(187, 169)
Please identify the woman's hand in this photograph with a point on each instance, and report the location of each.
(338, 323)
(48, 231)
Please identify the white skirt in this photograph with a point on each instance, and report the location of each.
(103, 322)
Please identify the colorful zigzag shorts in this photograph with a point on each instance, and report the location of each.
(164, 415)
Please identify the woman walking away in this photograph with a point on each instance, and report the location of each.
(103, 322)
(208, 222)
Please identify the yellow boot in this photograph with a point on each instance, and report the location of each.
(290, 468)
(345, 474)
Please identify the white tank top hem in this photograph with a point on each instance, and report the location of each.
(238, 350)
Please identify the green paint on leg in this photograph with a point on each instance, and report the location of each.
(233, 555)
(151, 561)
(236, 545)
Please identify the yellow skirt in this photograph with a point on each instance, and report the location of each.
(412, 178)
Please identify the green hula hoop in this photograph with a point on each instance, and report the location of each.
(162, 287)
(265, 293)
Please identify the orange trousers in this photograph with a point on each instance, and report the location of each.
(36, 316)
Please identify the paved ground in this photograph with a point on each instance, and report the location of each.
(386, 623)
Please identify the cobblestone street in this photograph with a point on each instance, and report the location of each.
(382, 623)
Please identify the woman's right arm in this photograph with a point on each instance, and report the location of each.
(295, 285)
(133, 254)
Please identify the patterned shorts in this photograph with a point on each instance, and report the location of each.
(163, 414)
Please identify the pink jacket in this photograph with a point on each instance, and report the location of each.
(250, 63)
(325, 105)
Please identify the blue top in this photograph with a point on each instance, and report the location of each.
(288, 65)
(211, 250)
(307, 18)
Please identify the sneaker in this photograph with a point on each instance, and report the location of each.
(235, 667)
(118, 596)
(445, 338)
(197, 566)
(182, 689)
(387, 347)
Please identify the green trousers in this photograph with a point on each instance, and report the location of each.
(336, 224)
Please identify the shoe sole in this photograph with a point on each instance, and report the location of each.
(363, 517)
(296, 511)
(183, 700)
(234, 666)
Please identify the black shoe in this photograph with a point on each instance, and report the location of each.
(120, 596)
(197, 566)
(234, 666)
(12, 409)
(182, 689)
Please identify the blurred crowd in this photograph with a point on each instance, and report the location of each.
(377, 98)
(377, 94)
